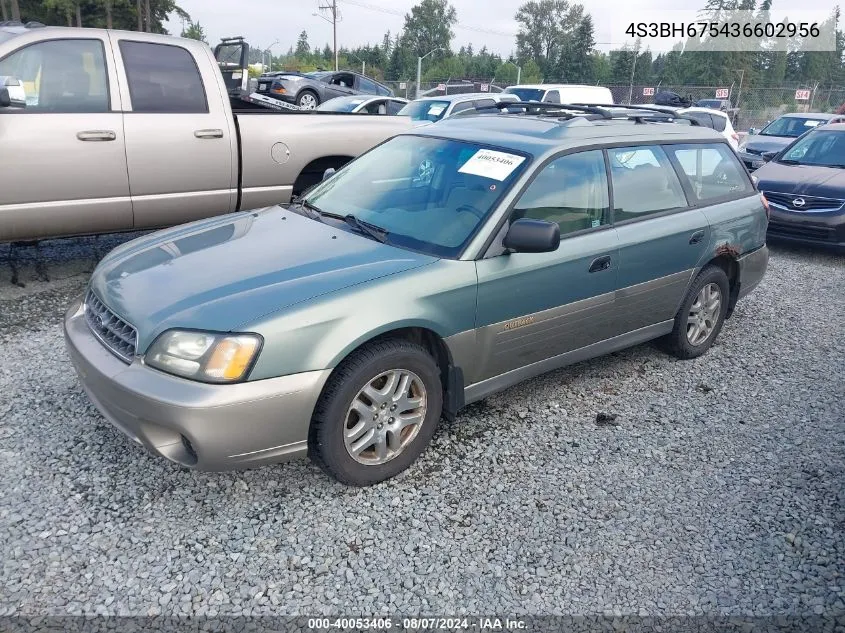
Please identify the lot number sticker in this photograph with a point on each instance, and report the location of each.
(491, 164)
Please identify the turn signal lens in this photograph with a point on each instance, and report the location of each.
(231, 358)
(278, 91)
(204, 356)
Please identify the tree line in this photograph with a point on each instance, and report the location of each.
(555, 42)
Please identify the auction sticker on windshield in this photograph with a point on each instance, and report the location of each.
(491, 164)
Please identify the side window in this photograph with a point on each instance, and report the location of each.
(719, 122)
(60, 76)
(461, 106)
(162, 78)
(712, 170)
(644, 182)
(381, 90)
(365, 85)
(702, 117)
(393, 107)
(571, 190)
(552, 96)
(485, 103)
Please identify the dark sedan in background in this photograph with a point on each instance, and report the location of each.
(805, 187)
(780, 133)
(308, 90)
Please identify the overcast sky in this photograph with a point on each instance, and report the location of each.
(481, 22)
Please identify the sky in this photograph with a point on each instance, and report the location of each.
(481, 22)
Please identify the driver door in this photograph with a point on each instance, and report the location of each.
(535, 306)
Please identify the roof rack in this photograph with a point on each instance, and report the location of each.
(667, 111)
(565, 111)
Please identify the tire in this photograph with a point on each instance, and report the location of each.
(685, 341)
(307, 99)
(385, 447)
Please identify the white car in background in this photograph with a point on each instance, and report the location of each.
(562, 93)
(363, 104)
(715, 119)
(430, 109)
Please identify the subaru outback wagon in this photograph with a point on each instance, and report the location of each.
(444, 265)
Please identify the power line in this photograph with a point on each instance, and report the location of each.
(459, 25)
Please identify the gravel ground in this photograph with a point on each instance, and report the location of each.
(719, 490)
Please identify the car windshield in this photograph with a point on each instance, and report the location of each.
(825, 148)
(792, 126)
(425, 110)
(341, 104)
(430, 195)
(527, 94)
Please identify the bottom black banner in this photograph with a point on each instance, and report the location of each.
(562, 624)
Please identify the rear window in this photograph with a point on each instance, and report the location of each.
(711, 170)
(719, 123)
(162, 78)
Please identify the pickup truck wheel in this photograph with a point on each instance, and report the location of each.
(307, 100)
(377, 413)
(701, 316)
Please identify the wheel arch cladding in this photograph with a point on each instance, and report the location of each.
(451, 377)
(726, 259)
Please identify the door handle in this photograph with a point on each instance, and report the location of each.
(696, 237)
(96, 135)
(600, 263)
(209, 133)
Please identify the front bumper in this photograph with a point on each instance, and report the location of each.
(752, 268)
(288, 97)
(806, 227)
(201, 426)
(751, 161)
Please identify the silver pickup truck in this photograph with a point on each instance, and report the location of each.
(126, 130)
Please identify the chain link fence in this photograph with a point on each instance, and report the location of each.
(749, 107)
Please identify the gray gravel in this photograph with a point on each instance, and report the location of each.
(718, 489)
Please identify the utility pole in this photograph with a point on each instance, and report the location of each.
(331, 6)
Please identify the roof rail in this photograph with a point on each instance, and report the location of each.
(669, 112)
(29, 25)
(597, 110)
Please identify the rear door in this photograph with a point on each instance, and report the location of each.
(62, 157)
(662, 238)
(180, 142)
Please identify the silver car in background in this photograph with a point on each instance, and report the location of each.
(431, 109)
(362, 104)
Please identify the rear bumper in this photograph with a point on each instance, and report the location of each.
(752, 268)
(814, 229)
(201, 426)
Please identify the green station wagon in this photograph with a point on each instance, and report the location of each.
(442, 266)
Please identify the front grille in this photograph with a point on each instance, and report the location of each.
(811, 203)
(818, 233)
(117, 335)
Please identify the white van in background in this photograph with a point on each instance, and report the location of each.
(562, 93)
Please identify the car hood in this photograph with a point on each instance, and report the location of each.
(224, 273)
(757, 143)
(810, 180)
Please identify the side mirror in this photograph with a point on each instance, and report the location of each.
(767, 156)
(752, 131)
(5, 99)
(329, 173)
(532, 236)
(12, 92)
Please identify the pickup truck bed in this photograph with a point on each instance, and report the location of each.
(126, 130)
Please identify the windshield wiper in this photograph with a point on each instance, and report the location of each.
(788, 161)
(311, 211)
(373, 230)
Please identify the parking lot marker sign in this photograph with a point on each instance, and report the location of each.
(802, 95)
(403, 85)
(722, 93)
(485, 87)
(648, 92)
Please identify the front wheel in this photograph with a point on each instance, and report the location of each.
(377, 413)
(701, 316)
(307, 100)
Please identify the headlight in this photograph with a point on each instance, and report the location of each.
(204, 356)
